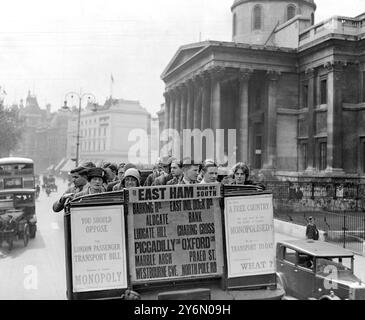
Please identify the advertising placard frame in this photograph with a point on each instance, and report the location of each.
(117, 202)
(250, 281)
(155, 283)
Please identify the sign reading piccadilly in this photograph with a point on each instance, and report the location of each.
(98, 248)
(177, 234)
(249, 226)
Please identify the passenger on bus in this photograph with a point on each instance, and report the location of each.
(96, 178)
(176, 171)
(190, 172)
(131, 179)
(121, 169)
(209, 171)
(79, 180)
(165, 168)
(241, 174)
(156, 172)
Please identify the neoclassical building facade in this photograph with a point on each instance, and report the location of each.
(294, 91)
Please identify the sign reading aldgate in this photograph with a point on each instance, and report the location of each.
(176, 232)
(98, 249)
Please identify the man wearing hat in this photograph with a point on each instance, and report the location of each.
(190, 172)
(166, 175)
(96, 178)
(79, 180)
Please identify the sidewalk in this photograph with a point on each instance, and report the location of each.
(359, 264)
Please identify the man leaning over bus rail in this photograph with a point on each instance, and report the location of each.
(79, 180)
(96, 178)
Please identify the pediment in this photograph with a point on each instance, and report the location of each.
(185, 53)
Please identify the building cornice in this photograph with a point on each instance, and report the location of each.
(238, 3)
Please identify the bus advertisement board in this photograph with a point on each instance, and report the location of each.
(249, 231)
(175, 232)
(98, 250)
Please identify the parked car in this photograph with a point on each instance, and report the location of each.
(316, 270)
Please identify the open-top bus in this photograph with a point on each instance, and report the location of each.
(17, 198)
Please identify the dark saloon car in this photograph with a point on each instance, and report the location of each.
(317, 270)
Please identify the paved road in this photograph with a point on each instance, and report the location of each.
(37, 271)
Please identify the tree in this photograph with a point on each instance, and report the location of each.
(10, 129)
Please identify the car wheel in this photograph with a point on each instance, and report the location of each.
(26, 234)
(32, 230)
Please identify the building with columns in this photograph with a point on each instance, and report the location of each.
(293, 90)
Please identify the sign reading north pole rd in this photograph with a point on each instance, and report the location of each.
(249, 225)
(175, 232)
(98, 249)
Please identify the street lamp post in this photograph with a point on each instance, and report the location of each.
(80, 96)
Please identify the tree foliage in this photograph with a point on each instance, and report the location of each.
(10, 129)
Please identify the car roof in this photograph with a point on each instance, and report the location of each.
(317, 248)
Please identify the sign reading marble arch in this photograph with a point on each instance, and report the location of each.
(98, 248)
(175, 232)
(249, 226)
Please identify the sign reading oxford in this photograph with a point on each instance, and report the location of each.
(176, 232)
(98, 249)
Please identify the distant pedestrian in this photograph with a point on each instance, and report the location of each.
(311, 231)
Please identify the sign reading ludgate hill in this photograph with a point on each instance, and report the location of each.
(176, 232)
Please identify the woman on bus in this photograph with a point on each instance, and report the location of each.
(96, 178)
(131, 179)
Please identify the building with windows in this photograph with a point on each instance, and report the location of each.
(293, 90)
(44, 134)
(104, 133)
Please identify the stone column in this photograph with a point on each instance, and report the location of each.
(190, 105)
(271, 121)
(183, 108)
(197, 102)
(216, 106)
(205, 114)
(244, 77)
(334, 117)
(172, 109)
(311, 121)
(167, 110)
(177, 109)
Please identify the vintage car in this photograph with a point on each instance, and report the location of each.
(317, 270)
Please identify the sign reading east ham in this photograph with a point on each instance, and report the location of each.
(98, 249)
(249, 226)
(175, 233)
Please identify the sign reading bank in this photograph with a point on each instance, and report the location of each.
(98, 249)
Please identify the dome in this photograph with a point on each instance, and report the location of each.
(255, 20)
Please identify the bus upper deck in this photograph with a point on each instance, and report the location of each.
(16, 173)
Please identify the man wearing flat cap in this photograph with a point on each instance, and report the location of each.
(165, 166)
(79, 180)
(96, 178)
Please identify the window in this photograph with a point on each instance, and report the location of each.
(363, 86)
(290, 255)
(305, 95)
(322, 155)
(324, 91)
(303, 156)
(234, 26)
(257, 17)
(305, 261)
(290, 12)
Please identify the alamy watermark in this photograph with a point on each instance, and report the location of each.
(219, 145)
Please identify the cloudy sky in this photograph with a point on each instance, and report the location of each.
(53, 47)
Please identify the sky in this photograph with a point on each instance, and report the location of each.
(53, 47)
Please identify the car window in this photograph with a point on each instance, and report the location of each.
(305, 260)
(290, 255)
(325, 265)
